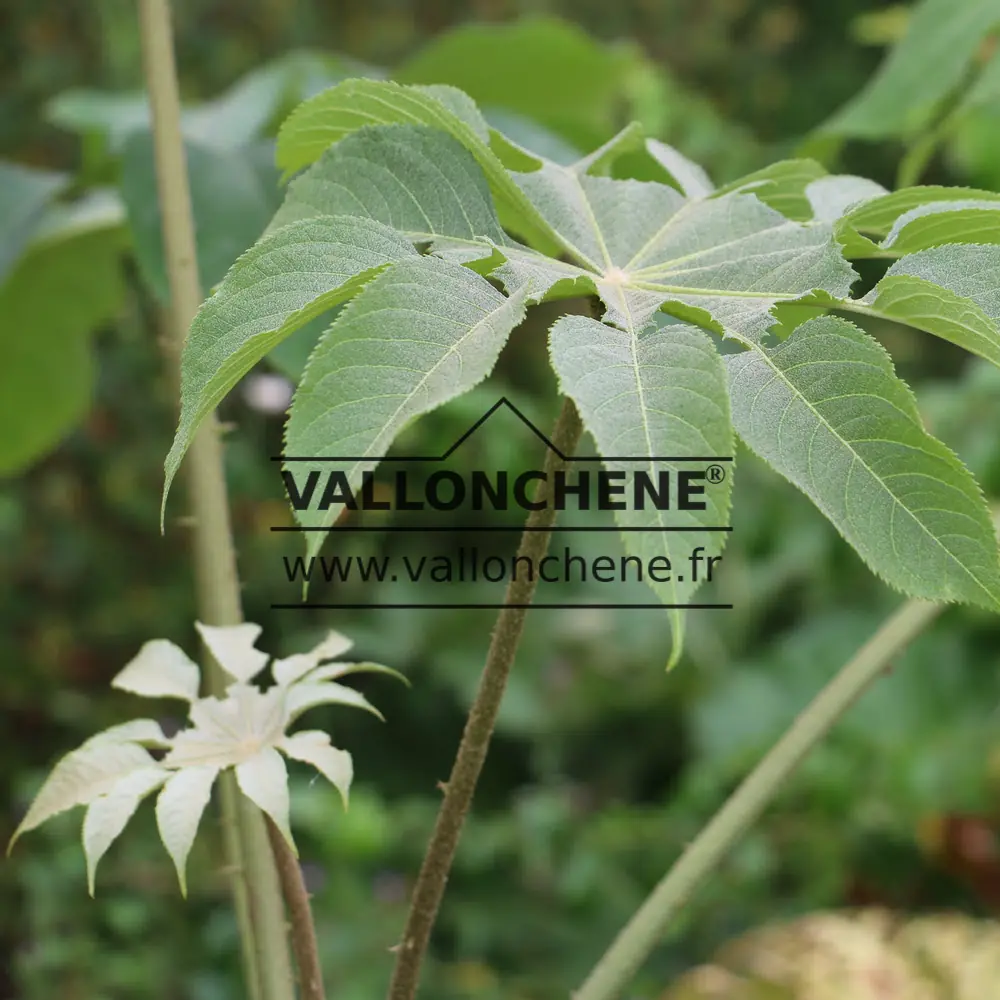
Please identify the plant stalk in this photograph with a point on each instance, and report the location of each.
(642, 933)
(256, 891)
(303, 930)
(472, 750)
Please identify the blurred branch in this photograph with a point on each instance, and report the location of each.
(475, 741)
(256, 892)
(642, 933)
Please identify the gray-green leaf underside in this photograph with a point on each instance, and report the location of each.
(417, 336)
(653, 396)
(826, 410)
(279, 284)
(721, 262)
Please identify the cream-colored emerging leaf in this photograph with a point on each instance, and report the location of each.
(160, 670)
(179, 808)
(313, 747)
(245, 729)
(106, 816)
(233, 648)
(81, 777)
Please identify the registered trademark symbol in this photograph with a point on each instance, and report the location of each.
(715, 473)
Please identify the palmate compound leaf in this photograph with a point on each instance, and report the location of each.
(723, 261)
(111, 773)
(417, 336)
(653, 392)
(278, 285)
(826, 410)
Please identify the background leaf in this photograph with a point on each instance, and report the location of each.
(904, 95)
(229, 200)
(56, 296)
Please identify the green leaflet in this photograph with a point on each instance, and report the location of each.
(420, 334)
(278, 285)
(944, 222)
(826, 410)
(863, 226)
(950, 291)
(417, 180)
(910, 86)
(656, 392)
(781, 185)
(330, 116)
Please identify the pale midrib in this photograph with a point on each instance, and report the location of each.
(637, 372)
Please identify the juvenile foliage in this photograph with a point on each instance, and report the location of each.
(114, 771)
(446, 230)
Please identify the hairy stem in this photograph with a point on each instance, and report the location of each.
(641, 934)
(256, 892)
(475, 741)
(303, 931)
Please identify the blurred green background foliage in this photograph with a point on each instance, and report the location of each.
(603, 767)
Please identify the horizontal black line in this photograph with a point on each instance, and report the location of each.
(440, 458)
(494, 607)
(475, 528)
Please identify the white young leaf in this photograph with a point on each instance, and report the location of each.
(305, 695)
(146, 732)
(160, 670)
(108, 815)
(80, 777)
(653, 395)
(334, 670)
(233, 648)
(313, 747)
(691, 178)
(179, 808)
(264, 780)
(227, 731)
(293, 667)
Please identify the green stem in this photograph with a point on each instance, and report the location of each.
(472, 750)
(256, 891)
(642, 933)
